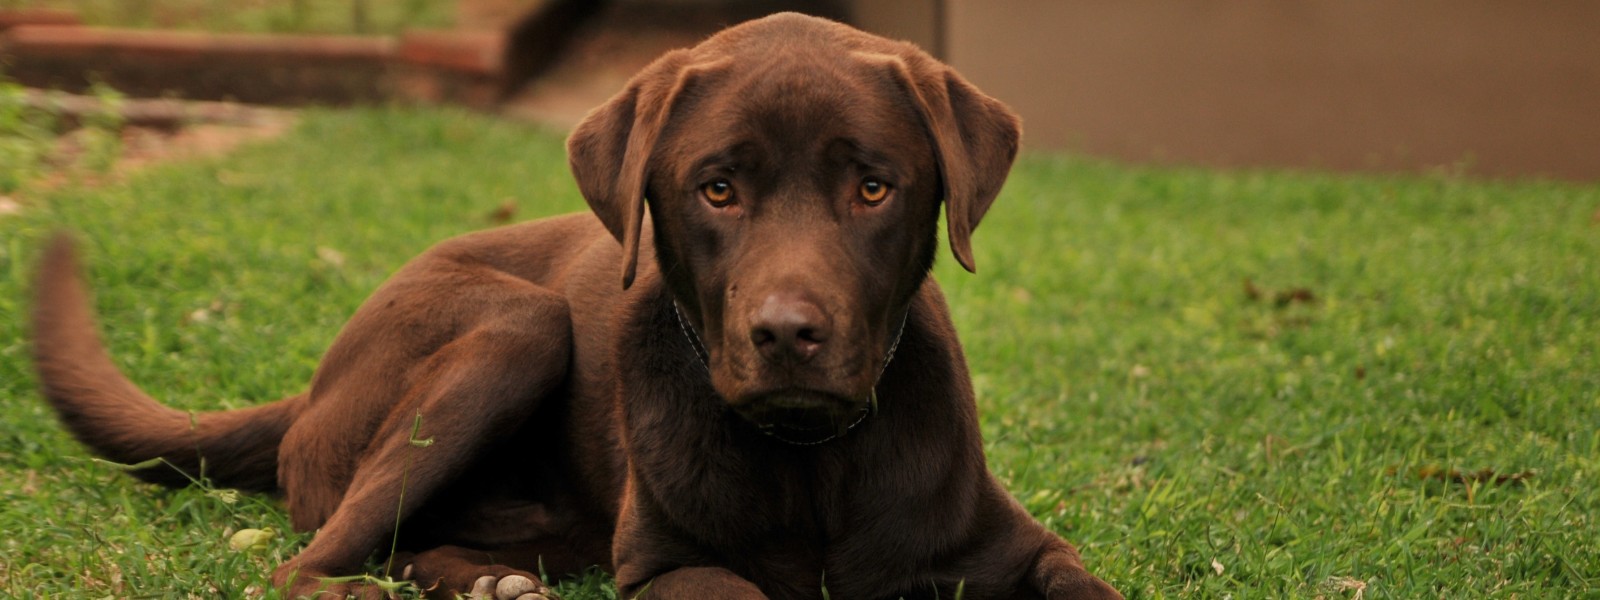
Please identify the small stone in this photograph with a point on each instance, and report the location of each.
(512, 587)
(483, 588)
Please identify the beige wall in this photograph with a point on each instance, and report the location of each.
(915, 21)
(1514, 87)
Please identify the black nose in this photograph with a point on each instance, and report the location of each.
(788, 327)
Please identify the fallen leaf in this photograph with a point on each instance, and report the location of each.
(1252, 292)
(1286, 297)
(1491, 476)
(328, 255)
(251, 540)
(1281, 298)
(504, 213)
(1217, 566)
(1021, 295)
(1338, 584)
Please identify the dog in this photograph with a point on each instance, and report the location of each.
(738, 382)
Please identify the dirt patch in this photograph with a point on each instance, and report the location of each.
(147, 132)
(143, 147)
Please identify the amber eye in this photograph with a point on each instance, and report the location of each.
(874, 191)
(718, 193)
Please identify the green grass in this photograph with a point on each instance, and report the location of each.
(258, 16)
(1192, 441)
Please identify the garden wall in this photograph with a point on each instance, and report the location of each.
(454, 65)
(1498, 88)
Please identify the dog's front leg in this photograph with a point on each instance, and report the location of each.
(708, 583)
(1058, 574)
(453, 404)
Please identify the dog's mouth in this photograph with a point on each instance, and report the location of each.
(800, 416)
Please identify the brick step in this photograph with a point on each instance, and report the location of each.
(259, 68)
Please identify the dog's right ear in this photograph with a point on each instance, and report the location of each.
(610, 151)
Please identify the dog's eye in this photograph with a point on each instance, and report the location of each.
(718, 193)
(874, 191)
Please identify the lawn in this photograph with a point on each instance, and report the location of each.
(1256, 384)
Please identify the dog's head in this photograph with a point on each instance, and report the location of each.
(794, 169)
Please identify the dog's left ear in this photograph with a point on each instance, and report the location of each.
(609, 151)
(976, 137)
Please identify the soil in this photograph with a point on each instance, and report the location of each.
(206, 129)
(143, 147)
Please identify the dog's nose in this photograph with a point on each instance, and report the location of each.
(789, 327)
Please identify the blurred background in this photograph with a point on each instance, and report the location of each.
(1484, 87)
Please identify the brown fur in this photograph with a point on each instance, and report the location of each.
(574, 422)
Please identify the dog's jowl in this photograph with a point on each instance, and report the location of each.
(733, 379)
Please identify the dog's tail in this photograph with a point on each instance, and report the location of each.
(108, 413)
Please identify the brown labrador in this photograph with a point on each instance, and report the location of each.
(756, 394)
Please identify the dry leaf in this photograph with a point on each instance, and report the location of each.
(503, 213)
(334, 258)
(251, 540)
(1251, 292)
(1467, 477)
(1291, 296)
(1339, 584)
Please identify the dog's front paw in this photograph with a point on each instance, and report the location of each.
(510, 587)
(450, 572)
(1080, 586)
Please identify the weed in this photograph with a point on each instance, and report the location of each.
(27, 135)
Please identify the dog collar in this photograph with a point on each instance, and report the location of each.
(771, 431)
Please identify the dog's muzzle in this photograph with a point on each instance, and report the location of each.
(799, 416)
